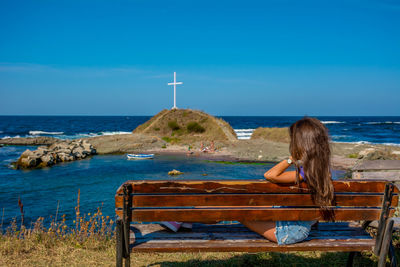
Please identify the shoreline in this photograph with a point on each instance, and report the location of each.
(247, 150)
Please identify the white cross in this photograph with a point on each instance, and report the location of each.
(174, 84)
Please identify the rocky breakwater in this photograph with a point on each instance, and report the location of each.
(64, 151)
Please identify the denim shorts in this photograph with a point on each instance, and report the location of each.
(290, 232)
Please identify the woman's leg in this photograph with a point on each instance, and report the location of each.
(264, 228)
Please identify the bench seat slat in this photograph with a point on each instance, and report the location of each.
(246, 186)
(248, 213)
(153, 238)
(155, 200)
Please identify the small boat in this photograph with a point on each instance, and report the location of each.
(140, 156)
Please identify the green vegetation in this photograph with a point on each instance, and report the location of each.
(173, 125)
(171, 140)
(353, 156)
(156, 129)
(195, 127)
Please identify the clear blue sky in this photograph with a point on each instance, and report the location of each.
(235, 57)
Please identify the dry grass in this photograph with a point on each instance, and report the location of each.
(90, 242)
(272, 134)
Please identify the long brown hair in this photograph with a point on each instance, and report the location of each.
(309, 147)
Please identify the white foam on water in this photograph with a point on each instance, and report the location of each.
(356, 142)
(114, 133)
(85, 135)
(332, 122)
(339, 136)
(243, 134)
(383, 122)
(391, 144)
(244, 130)
(8, 137)
(43, 132)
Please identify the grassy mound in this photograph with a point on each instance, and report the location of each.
(186, 125)
(272, 134)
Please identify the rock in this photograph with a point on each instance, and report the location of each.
(78, 152)
(27, 162)
(65, 157)
(64, 150)
(58, 152)
(39, 153)
(175, 172)
(47, 160)
(27, 153)
(365, 152)
(376, 154)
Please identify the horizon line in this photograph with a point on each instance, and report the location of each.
(102, 115)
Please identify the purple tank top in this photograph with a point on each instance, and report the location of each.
(302, 173)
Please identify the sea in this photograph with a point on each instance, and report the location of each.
(50, 191)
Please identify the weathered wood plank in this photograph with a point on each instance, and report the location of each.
(377, 165)
(184, 200)
(253, 246)
(246, 186)
(234, 228)
(230, 235)
(248, 213)
(153, 238)
(375, 175)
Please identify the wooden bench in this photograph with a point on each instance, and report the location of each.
(237, 200)
(388, 170)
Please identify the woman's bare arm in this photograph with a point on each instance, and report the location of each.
(277, 174)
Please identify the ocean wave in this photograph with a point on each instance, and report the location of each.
(61, 135)
(8, 137)
(243, 134)
(383, 122)
(86, 135)
(332, 122)
(340, 136)
(391, 144)
(243, 130)
(46, 133)
(114, 133)
(366, 143)
(357, 142)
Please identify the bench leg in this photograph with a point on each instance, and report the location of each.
(119, 239)
(392, 256)
(387, 241)
(128, 261)
(126, 239)
(350, 259)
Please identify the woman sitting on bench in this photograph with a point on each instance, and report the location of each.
(310, 153)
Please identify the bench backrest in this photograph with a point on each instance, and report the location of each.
(388, 170)
(236, 200)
